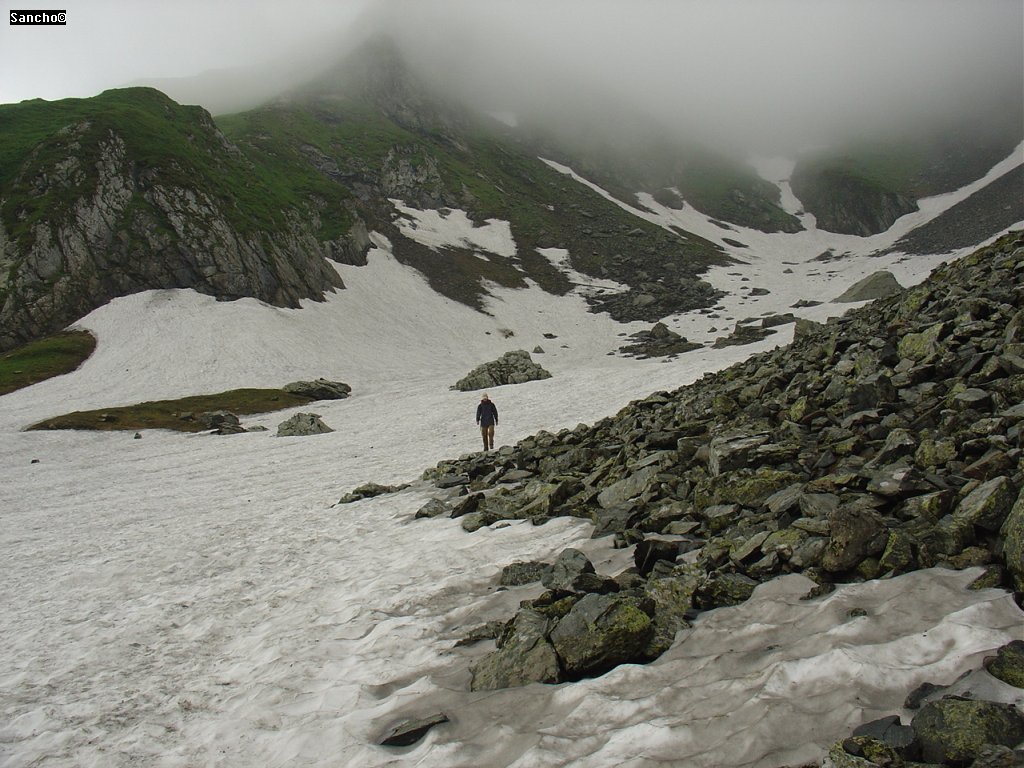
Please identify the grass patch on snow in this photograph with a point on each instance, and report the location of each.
(43, 359)
(178, 415)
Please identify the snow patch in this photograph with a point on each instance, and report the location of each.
(452, 228)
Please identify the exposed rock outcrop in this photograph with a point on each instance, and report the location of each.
(90, 215)
(302, 425)
(659, 341)
(515, 367)
(846, 203)
(319, 389)
(875, 286)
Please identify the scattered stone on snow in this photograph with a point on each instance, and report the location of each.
(302, 425)
(319, 389)
(513, 367)
(659, 341)
(219, 422)
(875, 286)
(412, 731)
(369, 490)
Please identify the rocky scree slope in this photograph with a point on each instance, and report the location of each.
(887, 440)
(129, 191)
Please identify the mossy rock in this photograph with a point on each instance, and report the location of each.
(784, 541)
(1008, 664)
(1012, 535)
(933, 453)
(525, 657)
(601, 632)
(672, 597)
(722, 589)
(898, 555)
(923, 345)
(951, 731)
(988, 505)
(748, 488)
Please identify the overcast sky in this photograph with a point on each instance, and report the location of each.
(731, 66)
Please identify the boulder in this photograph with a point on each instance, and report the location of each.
(1008, 664)
(368, 491)
(875, 286)
(518, 573)
(302, 425)
(856, 532)
(515, 367)
(319, 389)
(1012, 537)
(951, 731)
(568, 567)
(733, 451)
(433, 508)
(411, 731)
(601, 632)
(650, 551)
(524, 657)
(673, 602)
(722, 589)
(988, 505)
(659, 341)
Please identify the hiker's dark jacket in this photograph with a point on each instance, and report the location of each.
(486, 413)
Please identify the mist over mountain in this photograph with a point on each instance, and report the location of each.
(747, 77)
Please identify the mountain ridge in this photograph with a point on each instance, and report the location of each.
(128, 191)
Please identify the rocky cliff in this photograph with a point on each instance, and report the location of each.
(130, 191)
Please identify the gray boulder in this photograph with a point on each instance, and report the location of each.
(515, 367)
(857, 531)
(221, 422)
(600, 632)
(320, 389)
(433, 508)
(524, 657)
(411, 731)
(522, 572)
(876, 286)
(566, 570)
(301, 425)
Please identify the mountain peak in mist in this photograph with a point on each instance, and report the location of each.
(377, 74)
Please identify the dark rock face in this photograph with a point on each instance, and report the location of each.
(849, 455)
(525, 656)
(369, 490)
(515, 367)
(845, 203)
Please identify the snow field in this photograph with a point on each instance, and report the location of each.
(192, 600)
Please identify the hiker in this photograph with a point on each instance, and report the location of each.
(487, 418)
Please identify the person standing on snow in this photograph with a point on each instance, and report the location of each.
(487, 418)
